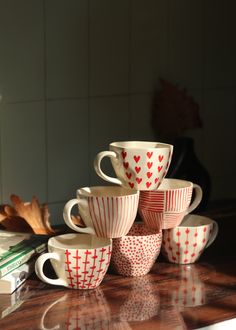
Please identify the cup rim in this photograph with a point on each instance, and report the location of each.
(172, 184)
(78, 241)
(149, 232)
(190, 218)
(141, 145)
(106, 191)
(169, 184)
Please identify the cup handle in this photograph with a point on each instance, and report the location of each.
(39, 269)
(42, 327)
(67, 218)
(213, 234)
(98, 170)
(197, 198)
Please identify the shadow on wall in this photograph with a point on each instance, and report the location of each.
(171, 102)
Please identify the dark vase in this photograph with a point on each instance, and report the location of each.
(185, 165)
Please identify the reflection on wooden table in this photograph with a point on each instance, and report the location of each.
(171, 296)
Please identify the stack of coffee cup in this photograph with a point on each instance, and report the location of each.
(185, 235)
(110, 234)
(110, 211)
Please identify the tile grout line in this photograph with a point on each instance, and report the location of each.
(45, 99)
(1, 166)
(218, 88)
(168, 18)
(88, 86)
(129, 64)
(203, 69)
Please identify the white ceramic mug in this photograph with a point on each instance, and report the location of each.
(139, 165)
(80, 261)
(107, 211)
(185, 243)
(136, 253)
(166, 206)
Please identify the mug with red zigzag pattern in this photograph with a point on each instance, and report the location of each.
(139, 165)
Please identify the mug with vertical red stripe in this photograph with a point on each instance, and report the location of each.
(80, 261)
(107, 211)
(139, 165)
(166, 206)
(184, 244)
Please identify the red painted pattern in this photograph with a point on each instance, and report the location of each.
(135, 253)
(164, 209)
(113, 216)
(187, 244)
(86, 268)
(135, 163)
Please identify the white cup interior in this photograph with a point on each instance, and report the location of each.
(170, 184)
(78, 241)
(139, 145)
(105, 191)
(193, 220)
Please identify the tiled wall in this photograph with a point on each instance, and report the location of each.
(78, 74)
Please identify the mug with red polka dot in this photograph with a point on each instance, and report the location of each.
(185, 243)
(135, 253)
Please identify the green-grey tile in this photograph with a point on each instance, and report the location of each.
(23, 150)
(109, 47)
(21, 50)
(68, 148)
(67, 48)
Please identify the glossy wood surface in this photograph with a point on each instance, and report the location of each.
(171, 296)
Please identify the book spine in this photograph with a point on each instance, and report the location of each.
(11, 281)
(21, 247)
(21, 259)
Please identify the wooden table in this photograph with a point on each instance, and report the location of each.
(170, 297)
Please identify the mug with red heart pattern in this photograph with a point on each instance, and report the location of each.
(139, 165)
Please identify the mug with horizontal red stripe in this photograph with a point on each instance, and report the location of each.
(139, 165)
(80, 261)
(166, 206)
(107, 211)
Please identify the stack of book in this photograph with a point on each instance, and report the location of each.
(18, 252)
